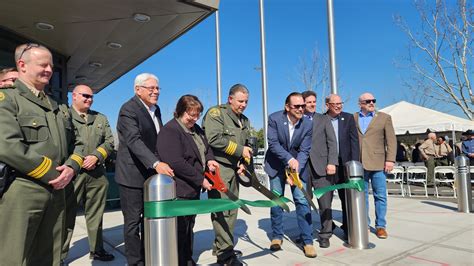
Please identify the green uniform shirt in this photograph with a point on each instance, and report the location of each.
(226, 133)
(96, 135)
(37, 137)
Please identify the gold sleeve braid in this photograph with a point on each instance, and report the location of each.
(231, 148)
(103, 152)
(42, 169)
(78, 159)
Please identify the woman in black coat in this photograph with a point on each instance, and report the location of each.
(182, 144)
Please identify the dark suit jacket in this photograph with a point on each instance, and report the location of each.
(177, 148)
(348, 138)
(379, 143)
(137, 144)
(281, 149)
(323, 145)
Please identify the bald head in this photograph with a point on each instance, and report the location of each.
(432, 136)
(367, 103)
(82, 98)
(35, 65)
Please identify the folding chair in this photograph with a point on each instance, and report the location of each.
(441, 177)
(396, 177)
(417, 174)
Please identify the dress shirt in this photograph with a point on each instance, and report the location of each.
(291, 127)
(309, 115)
(443, 149)
(468, 146)
(364, 121)
(335, 125)
(151, 110)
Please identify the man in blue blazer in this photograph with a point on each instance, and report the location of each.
(347, 140)
(289, 143)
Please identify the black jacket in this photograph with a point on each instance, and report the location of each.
(178, 149)
(137, 144)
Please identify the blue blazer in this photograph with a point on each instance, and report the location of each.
(281, 149)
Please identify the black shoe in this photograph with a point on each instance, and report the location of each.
(101, 255)
(324, 243)
(230, 261)
(237, 253)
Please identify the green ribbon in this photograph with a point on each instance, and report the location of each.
(354, 183)
(173, 208)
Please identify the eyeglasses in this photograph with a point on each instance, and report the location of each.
(87, 96)
(298, 106)
(368, 101)
(151, 88)
(194, 115)
(336, 104)
(28, 47)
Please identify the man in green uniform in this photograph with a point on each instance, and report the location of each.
(38, 141)
(227, 131)
(90, 186)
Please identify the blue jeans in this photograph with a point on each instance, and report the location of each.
(379, 189)
(303, 211)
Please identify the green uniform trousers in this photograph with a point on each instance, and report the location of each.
(430, 164)
(92, 193)
(224, 222)
(37, 238)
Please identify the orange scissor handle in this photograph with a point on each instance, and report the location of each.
(216, 180)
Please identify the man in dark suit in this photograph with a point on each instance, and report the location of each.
(138, 125)
(378, 148)
(289, 142)
(347, 146)
(323, 161)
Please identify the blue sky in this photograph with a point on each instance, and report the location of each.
(367, 44)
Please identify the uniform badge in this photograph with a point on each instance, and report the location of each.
(214, 112)
(2, 96)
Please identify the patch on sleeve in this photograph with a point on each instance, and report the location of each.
(215, 112)
(2, 96)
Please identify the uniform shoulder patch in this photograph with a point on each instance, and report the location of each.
(2, 96)
(214, 112)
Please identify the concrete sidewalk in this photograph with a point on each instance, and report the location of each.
(421, 232)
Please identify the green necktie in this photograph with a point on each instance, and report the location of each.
(43, 98)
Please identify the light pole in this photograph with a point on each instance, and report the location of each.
(264, 75)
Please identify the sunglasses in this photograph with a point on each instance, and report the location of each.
(369, 101)
(298, 106)
(28, 47)
(87, 96)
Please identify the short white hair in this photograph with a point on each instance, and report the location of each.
(140, 79)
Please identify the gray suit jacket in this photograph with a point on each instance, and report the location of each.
(323, 144)
(379, 143)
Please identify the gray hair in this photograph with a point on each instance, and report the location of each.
(328, 98)
(238, 88)
(140, 79)
(24, 50)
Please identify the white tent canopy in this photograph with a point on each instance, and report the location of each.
(415, 119)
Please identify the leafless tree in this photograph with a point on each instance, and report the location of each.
(440, 53)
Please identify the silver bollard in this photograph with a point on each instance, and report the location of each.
(356, 209)
(463, 179)
(161, 237)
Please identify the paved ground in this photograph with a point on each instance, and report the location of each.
(421, 232)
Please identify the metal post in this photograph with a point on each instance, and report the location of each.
(218, 59)
(463, 179)
(356, 209)
(332, 48)
(161, 237)
(264, 76)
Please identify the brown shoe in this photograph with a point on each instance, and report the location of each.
(276, 244)
(309, 251)
(381, 233)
